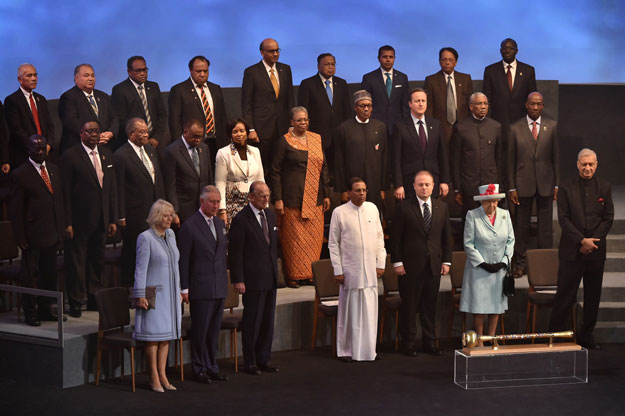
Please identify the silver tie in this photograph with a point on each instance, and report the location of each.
(146, 163)
(144, 101)
(451, 102)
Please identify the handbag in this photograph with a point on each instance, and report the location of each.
(508, 281)
(150, 295)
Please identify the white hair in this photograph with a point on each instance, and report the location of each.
(586, 152)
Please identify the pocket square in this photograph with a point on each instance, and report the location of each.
(398, 86)
(109, 166)
(275, 228)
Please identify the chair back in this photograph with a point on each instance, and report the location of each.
(113, 307)
(232, 299)
(542, 267)
(323, 277)
(8, 245)
(458, 260)
(389, 278)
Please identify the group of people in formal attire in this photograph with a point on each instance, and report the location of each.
(187, 169)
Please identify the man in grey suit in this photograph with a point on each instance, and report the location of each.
(187, 170)
(533, 165)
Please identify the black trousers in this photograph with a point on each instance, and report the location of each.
(38, 270)
(206, 317)
(570, 273)
(523, 214)
(84, 264)
(259, 308)
(418, 292)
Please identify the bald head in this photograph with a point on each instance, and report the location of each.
(534, 105)
(270, 51)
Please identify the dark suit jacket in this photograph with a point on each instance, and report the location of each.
(36, 215)
(533, 165)
(578, 222)
(287, 176)
(182, 183)
(252, 260)
(325, 117)
(436, 88)
(412, 245)
(21, 124)
(75, 111)
(265, 113)
(388, 110)
(203, 268)
(408, 157)
(477, 155)
(505, 106)
(88, 207)
(185, 104)
(4, 140)
(135, 189)
(127, 105)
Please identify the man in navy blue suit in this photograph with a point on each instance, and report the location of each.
(252, 252)
(389, 90)
(204, 280)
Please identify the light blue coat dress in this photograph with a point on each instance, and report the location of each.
(485, 243)
(157, 265)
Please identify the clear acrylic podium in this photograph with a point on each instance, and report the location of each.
(520, 365)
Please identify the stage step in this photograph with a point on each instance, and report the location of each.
(616, 243)
(615, 262)
(610, 312)
(612, 290)
(618, 227)
(608, 332)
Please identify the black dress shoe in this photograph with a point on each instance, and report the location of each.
(346, 359)
(218, 376)
(50, 316)
(32, 320)
(590, 345)
(410, 352)
(75, 311)
(292, 284)
(202, 378)
(268, 368)
(253, 370)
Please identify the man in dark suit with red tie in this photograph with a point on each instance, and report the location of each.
(326, 97)
(36, 212)
(83, 103)
(507, 84)
(139, 183)
(202, 243)
(253, 257)
(586, 214)
(197, 98)
(448, 92)
(187, 170)
(417, 144)
(389, 90)
(90, 191)
(27, 114)
(266, 99)
(138, 97)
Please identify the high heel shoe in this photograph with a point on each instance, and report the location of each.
(157, 389)
(170, 387)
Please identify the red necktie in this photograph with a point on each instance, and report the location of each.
(33, 108)
(46, 179)
(534, 130)
(509, 74)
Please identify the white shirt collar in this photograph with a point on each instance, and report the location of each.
(134, 146)
(90, 150)
(384, 73)
(324, 79)
(186, 143)
(415, 119)
(269, 68)
(428, 201)
(530, 121)
(362, 122)
(136, 84)
(354, 206)
(512, 64)
(37, 165)
(452, 75)
(27, 94)
(206, 218)
(254, 209)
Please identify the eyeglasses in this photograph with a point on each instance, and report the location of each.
(364, 106)
(92, 131)
(301, 120)
(273, 50)
(140, 70)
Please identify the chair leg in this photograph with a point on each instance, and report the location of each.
(232, 335)
(181, 359)
(382, 323)
(132, 367)
(98, 363)
(503, 328)
(535, 312)
(122, 365)
(528, 316)
(236, 353)
(314, 329)
(396, 330)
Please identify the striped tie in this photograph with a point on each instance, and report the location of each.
(144, 101)
(210, 122)
(427, 217)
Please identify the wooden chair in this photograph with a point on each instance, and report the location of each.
(114, 313)
(326, 289)
(391, 301)
(542, 275)
(112, 255)
(232, 322)
(9, 271)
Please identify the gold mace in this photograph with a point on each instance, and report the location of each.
(471, 338)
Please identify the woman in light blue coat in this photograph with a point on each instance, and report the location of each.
(157, 265)
(488, 244)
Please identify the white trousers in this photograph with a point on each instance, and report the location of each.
(357, 323)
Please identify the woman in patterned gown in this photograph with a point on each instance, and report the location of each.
(301, 193)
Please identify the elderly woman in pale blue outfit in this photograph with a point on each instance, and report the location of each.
(157, 265)
(488, 244)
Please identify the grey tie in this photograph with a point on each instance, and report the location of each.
(451, 102)
(146, 162)
(211, 225)
(263, 223)
(144, 101)
(427, 217)
(196, 159)
(93, 105)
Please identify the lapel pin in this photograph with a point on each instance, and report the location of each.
(460, 85)
(544, 128)
(520, 73)
(103, 157)
(377, 146)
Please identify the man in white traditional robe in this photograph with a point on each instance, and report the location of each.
(358, 257)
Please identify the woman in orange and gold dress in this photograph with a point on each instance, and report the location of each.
(301, 193)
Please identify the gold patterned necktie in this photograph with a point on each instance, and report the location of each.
(210, 121)
(274, 82)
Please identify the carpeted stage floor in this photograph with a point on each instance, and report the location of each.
(314, 383)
